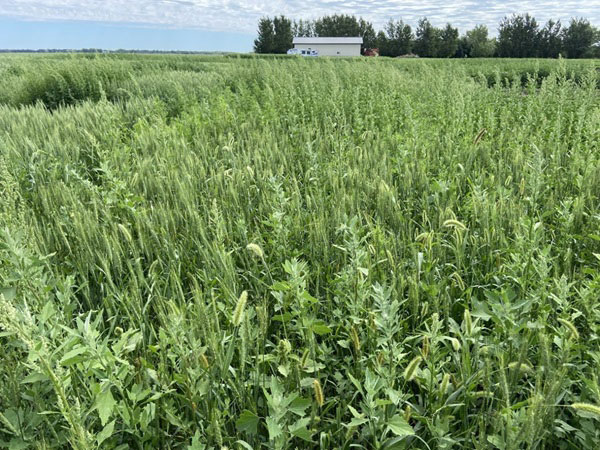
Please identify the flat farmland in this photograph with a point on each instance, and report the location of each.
(210, 252)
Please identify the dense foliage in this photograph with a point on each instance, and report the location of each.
(520, 36)
(216, 252)
(274, 35)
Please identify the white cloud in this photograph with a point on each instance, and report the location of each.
(242, 15)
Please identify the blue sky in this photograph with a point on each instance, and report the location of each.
(229, 25)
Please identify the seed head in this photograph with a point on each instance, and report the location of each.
(256, 249)
(468, 322)
(125, 232)
(480, 394)
(304, 359)
(571, 328)
(522, 186)
(410, 370)
(318, 392)
(238, 313)
(425, 347)
(355, 339)
(587, 407)
(204, 361)
(523, 367)
(455, 224)
(444, 384)
(285, 347)
(407, 412)
(455, 344)
(479, 136)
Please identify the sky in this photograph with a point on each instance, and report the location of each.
(230, 25)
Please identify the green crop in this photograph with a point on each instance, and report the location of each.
(205, 252)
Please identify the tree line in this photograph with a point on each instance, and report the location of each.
(519, 36)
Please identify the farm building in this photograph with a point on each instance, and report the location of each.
(330, 46)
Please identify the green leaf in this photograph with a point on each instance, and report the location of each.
(357, 422)
(283, 370)
(34, 378)
(274, 428)
(299, 429)
(9, 293)
(321, 329)
(196, 442)
(281, 286)
(393, 395)
(355, 382)
(308, 298)
(10, 419)
(172, 418)
(74, 356)
(282, 317)
(47, 311)
(355, 413)
(399, 426)
(18, 444)
(299, 405)
(481, 310)
(248, 422)
(105, 404)
(132, 342)
(106, 432)
(244, 444)
(496, 441)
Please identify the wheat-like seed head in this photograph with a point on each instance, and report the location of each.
(355, 339)
(468, 322)
(410, 370)
(587, 407)
(238, 313)
(571, 327)
(444, 384)
(256, 249)
(318, 392)
(451, 223)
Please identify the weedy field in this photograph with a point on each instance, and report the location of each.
(244, 253)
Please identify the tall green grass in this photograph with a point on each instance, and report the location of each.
(222, 252)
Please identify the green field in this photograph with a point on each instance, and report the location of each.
(234, 252)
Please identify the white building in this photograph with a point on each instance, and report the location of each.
(330, 46)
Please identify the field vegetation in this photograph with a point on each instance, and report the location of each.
(224, 252)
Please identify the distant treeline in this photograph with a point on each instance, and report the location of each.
(99, 50)
(519, 36)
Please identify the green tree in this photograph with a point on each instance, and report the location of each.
(284, 35)
(343, 25)
(448, 42)
(274, 35)
(518, 37)
(396, 40)
(464, 49)
(367, 32)
(549, 39)
(337, 25)
(383, 44)
(304, 28)
(579, 39)
(265, 42)
(427, 42)
(477, 43)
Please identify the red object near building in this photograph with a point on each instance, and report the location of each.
(371, 52)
